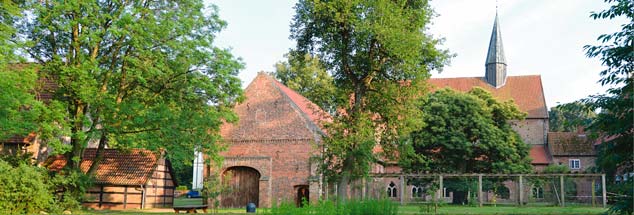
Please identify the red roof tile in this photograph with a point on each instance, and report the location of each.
(132, 167)
(539, 155)
(526, 91)
(570, 143)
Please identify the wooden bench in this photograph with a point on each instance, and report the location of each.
(190, 209)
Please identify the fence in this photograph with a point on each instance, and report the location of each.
(486, 189)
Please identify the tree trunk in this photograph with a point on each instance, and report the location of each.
(98, 155)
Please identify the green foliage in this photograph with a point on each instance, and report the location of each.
(614, 122)
(129, 73)
(214, 186)
(379, 55)
(69, 187)
(569, 116)
(9, 11)
(182, 187)
(309, 78)
(183, 174)
(353, 207)
(466, 133)
(23, 189)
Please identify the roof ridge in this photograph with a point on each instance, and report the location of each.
(294, 104)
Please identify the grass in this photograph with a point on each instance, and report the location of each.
(405, 210)
(490, 210)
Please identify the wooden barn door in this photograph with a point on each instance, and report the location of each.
(244, 186)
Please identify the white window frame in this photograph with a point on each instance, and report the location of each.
(571, 164)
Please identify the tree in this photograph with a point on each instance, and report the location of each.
(614, 122)
(379, 55)
(309, 78)
(132, 74)
(9, 10)
(466, 133)
(568, 117)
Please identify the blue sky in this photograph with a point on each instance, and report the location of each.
(542, 37)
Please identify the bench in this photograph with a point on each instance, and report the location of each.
(190, 209)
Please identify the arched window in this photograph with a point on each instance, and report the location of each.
(417, 192)
(538, 192)
(391, 190)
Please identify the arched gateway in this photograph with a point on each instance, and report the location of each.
(243, 185)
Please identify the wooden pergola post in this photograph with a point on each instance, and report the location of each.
(605, 197)
(440, 189)
(562, 190)
(480, 189)
(402, 185)
(521, 190)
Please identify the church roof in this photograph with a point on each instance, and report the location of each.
(526, 91)
(496, 49)
(272, 111)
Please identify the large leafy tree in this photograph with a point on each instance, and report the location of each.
(568, 117)
(614, 122)
(131, 74)
(467, 133)
(379, 54)
(308, 77)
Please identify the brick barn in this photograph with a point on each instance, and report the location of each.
(270, 149)
(135, 179)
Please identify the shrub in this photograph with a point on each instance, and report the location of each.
(23, 189)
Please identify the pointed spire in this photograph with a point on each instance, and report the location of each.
(496, 62)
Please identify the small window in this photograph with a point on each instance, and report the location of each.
(417, 192)
(538, 192)
(445, 192)
(574, 163)
(391, 190)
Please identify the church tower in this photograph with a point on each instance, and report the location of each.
(496, 62)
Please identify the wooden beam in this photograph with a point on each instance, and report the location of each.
(488, 175)
(480, 197)
(605, 197)
(562, 190)
(521, 191)
(402, 181)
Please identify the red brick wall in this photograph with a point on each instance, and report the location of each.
(274, 137)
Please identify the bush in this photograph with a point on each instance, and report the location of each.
(23, 189)
(352, 207)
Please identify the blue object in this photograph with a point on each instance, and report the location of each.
(193, 194)
(251, 207)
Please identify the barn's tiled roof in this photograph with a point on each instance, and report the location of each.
(526, 91)
(132, 167)
(539, 155)
(21, 139)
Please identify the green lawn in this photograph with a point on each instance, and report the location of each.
(450, 209)
(407, 210)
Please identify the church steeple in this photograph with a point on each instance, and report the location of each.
(496, 62)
